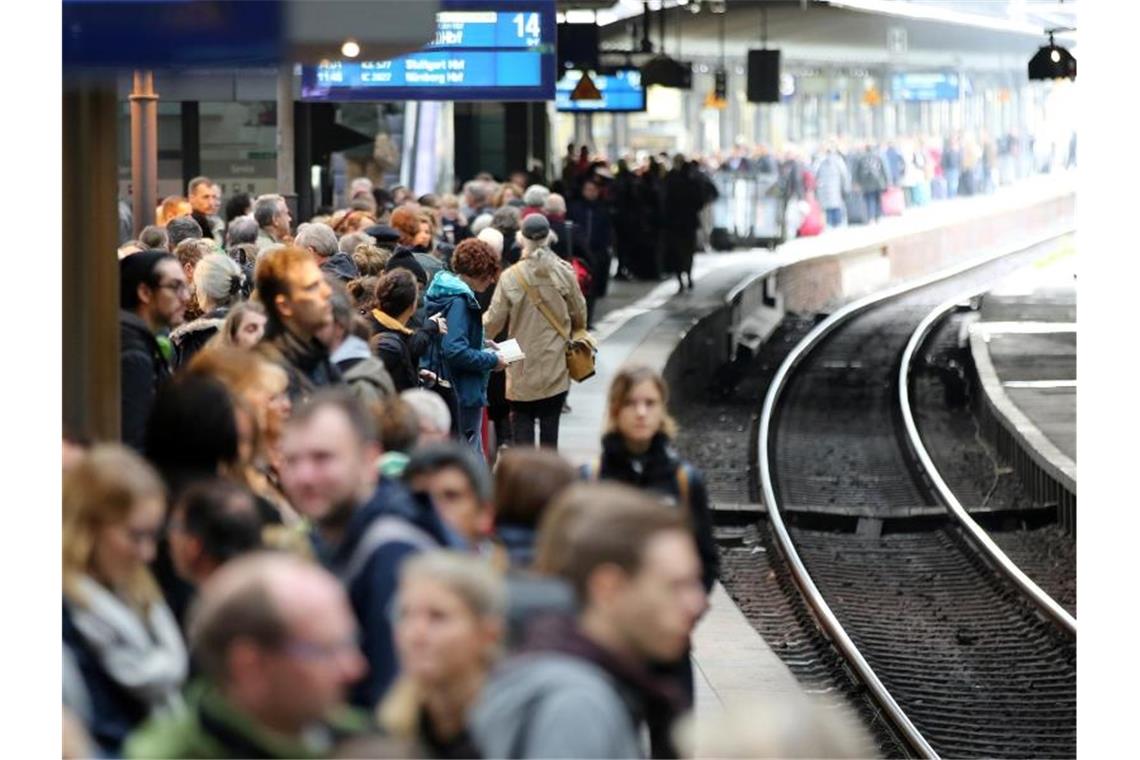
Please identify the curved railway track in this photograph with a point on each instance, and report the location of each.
(956, 656)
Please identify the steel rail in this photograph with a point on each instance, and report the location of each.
(822, 611)
(980, 537)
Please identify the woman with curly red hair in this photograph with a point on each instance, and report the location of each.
(462, 360)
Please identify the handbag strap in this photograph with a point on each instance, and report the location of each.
(536, 299)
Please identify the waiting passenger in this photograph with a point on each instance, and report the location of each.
(320, 240)
(276, 644)
(637, 449)
(460, 488)
(214, 522)
(123, 640)
(526, 483)
(448, 630)
(364, 374)
(432, 414)
(153, 237)
(180, 229)
(399, 346)
(218, 282)
(582, 688)
(243, 327)
(399, 428)
(272, 216)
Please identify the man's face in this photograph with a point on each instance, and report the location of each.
(457, 502)
(205, 199)
(167, 304)
(590, 191)
(307, 309)
(282, 220)
(311, 672)
(324, 468)
(658, 607)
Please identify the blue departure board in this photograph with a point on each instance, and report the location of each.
(923, 86)
(489, 50)
(621, 91)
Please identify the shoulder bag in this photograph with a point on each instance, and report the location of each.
(580, 347)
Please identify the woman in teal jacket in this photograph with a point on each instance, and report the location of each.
(466, 364)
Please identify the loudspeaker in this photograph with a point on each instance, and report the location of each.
(763, 76)
(577, 46)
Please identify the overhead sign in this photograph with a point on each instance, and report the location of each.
(498, 51)
(924, 86)
(620, 90)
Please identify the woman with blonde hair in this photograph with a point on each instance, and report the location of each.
(122, 638)
(448, 631)
(637, 449)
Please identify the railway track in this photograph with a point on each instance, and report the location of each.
(949, 638)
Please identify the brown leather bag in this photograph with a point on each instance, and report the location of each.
(581, 348)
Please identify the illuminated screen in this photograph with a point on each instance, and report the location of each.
(621, 91)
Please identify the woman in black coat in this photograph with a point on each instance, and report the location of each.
(637, 449)
(399, 346)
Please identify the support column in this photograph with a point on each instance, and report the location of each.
(144, 149)
(90, 338)
(191, 142)
(286, 182)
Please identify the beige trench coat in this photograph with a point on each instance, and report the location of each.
(542, 373)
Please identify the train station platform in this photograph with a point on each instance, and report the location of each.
(650, 322)
(1024, 347)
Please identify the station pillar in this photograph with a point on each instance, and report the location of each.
(286, 179)
(144, 149)
(90, 338)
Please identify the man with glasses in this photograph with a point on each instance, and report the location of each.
(276, 647)
(366, 525)
(153, 295)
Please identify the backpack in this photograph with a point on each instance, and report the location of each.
(582, 273)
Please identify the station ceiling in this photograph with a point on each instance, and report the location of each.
(854, 33)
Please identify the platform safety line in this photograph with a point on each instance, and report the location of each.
(823, 612)
(1033, 384)
(980, 537)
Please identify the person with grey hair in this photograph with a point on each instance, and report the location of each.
(476, 198)
(218, 284)
(493, 238)
(459, 484)
(349, 242)
(153, 237)
(320, 239)
(432, 414)
(241, 245)
(273, 636)
(534, 197)
(482, 222)
(507, 221)
(347, 340)
(272, 216)
(181, 228)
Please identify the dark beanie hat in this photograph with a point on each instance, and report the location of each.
(404, 258)
(535, 227)
(136, 269)
(383, 233)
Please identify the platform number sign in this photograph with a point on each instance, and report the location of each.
(528, 26)
(896, 40)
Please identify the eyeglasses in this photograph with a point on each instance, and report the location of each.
(179, 288)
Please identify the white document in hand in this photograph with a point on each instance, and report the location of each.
(511, 351)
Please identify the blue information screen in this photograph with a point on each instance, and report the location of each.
(925, 86)
(496, 51)
(621, 91)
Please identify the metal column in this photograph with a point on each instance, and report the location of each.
(286, 181)
(144, 149)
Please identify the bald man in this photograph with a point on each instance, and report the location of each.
(274, 639)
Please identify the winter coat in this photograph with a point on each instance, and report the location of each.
(191, 337)
(211, 726)
(593, 220)
(393, 525)
(543, 372)
(462, 360)
(871, 174)
(341, 266)
(393, 344)
(365, 375)
(683, 203)
(306, 362)
(565, 696)
(658, 470)
(832, 181)
(143, 368)
(432, 265)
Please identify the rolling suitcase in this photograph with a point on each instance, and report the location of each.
(938, 188)
(856, 208)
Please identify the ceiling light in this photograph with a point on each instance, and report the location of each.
(350, 49)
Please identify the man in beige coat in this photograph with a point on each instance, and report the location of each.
(540, 300)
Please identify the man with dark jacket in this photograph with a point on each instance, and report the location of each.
(320, 240)
(683, 203)
(367, 525)
(871, 176)
(297, 307)
(153, 294)
(583, 686)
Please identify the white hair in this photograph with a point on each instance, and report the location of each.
(554, 204)
(493, 238)
(317, 236)
(536, 195)
(482, 222)
(429, 407)
(217, 281)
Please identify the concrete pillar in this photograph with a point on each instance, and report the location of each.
(90, 339)
(286, 180)
(144, 149)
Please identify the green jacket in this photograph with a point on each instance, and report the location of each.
(210, 726)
